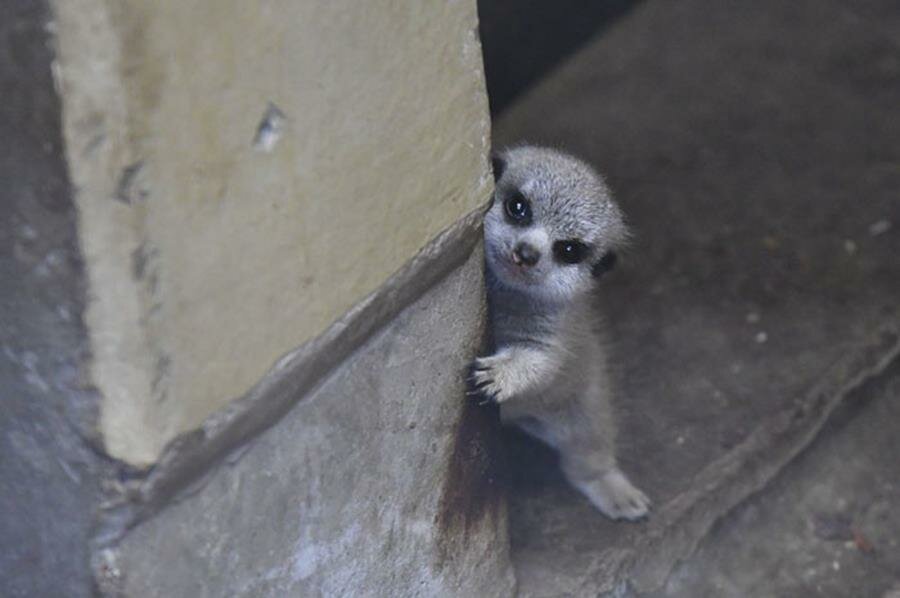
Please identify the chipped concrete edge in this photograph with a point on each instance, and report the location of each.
(727, 482)
(191, 455)
(95, 133)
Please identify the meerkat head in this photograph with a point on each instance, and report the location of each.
(553, 226)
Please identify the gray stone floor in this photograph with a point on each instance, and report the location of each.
(755, 148)
(826, 526)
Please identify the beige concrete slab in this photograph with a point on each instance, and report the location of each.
(246, 172)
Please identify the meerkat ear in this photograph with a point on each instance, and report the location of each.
(604, 264)
(498, 164)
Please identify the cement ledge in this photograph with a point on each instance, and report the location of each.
(190, 456)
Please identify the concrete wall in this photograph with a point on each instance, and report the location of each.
(241, 281)
(381, 482)
(241, 284)
(245, 173)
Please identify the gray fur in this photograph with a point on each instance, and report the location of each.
(548, 370)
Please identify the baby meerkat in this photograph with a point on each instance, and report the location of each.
(549, 236)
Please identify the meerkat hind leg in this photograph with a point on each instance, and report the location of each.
(606, 487)
(588, 463)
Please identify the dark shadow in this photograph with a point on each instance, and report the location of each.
(523, 39)
(532, 465)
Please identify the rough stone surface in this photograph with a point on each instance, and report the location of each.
(379, 483)
(754, 147)
(247, 174)
(826, 527)
(48, 474)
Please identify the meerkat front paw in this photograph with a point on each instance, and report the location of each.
(616, 496)
(490, 377)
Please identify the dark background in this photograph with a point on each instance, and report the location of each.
(522, 40)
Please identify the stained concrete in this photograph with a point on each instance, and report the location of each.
(48, 469)
(754, 148)
(246, 174)
(379, 483)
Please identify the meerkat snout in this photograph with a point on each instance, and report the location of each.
(526, 255)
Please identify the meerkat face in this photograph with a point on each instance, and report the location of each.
(553, 226)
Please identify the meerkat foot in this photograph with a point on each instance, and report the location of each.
(615, 496)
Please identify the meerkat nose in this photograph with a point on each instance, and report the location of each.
(525, 254)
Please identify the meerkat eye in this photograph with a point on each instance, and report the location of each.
(570, 252)
(518, 209)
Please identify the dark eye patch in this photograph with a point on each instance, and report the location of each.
(570, 251)
(518, 209)
(604, 264)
